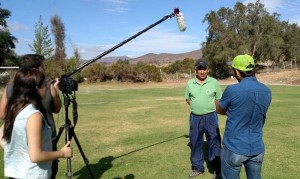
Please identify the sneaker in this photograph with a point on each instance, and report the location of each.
(217, 176)
(195, 173)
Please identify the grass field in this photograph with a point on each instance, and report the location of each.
(141, 131)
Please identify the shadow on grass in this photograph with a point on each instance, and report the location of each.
(105, 163)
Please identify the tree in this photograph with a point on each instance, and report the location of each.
(58, 30)
(42, 43)
(95, 72)
(291, 47)
(185, 66)
(122, 71)
(73, 63)
(7, 40)
(146, 72)
(244, 29)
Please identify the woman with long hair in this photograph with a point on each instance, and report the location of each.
(28, 150)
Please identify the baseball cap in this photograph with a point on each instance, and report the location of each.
(201, 63)
(243, 62)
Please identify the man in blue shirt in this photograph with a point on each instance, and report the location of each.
(245, 104)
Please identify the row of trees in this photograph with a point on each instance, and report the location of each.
(244, 29)
(122, 71)
(249, 29)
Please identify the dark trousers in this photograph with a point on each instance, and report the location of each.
(205, 124)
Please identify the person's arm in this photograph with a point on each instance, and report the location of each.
(34, 138)
(54, 90)
(219, 110)
(3, 103)
(188, 101)
(187, 95)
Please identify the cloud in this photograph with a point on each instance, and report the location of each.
(270, 5)
(17, 27)
(116, 6)
(89, 51)
(116, 1)
(161, 40)
(116, 10)
(289, 10)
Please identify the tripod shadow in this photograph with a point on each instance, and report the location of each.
(105, 163)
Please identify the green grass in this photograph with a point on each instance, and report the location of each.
(140, 131)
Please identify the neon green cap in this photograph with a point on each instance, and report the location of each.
(243, 63)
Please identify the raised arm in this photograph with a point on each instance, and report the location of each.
(54, 90)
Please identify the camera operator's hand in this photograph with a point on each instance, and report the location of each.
(54, 90)
(66, 151)
(55, 83)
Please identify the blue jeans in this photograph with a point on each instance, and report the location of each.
(231, 165)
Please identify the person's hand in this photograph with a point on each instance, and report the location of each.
(67, 151)
(55, 83)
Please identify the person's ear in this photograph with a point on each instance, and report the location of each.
(237, 72)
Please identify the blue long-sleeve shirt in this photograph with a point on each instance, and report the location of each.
(246, 104)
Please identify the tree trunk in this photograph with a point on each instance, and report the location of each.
(283, 65)
(254, 49)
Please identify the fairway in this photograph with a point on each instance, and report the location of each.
(139, 131)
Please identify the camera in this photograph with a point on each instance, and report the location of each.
(67, 85)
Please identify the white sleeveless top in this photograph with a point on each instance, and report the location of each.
(16, 153)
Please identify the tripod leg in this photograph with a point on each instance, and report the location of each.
(55, 140)
(68, 138)
(86, 161)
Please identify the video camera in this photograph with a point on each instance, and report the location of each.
(67, 85)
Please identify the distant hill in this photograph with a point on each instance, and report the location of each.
(166, 58)
(113, 59)
(161, 59)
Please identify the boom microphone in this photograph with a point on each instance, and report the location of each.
(181, 25)
(180, 19)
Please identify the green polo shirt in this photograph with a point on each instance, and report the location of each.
(203, 96)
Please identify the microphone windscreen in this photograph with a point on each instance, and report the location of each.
(180, 21)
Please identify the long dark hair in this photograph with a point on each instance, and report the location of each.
(25, 91)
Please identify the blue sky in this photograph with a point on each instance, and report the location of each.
(94, 26)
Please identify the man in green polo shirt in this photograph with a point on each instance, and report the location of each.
(202, 93)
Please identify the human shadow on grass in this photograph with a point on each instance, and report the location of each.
(105, 163)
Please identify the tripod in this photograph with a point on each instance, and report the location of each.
(69, 131)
